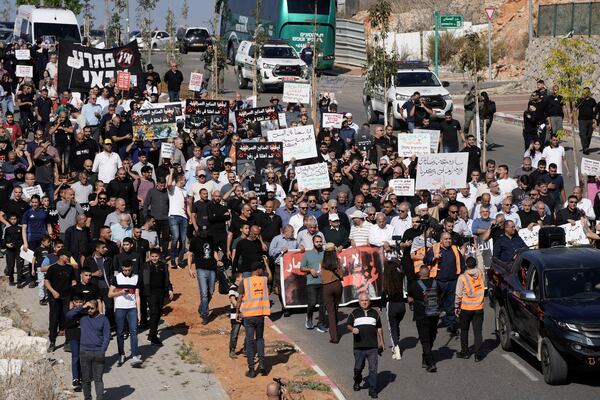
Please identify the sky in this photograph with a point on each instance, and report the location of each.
(199, 15)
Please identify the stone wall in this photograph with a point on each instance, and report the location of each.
(538, 51)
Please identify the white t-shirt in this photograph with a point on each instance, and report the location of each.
(129, 283)
(554, 155)
(507, 185)
(106, 165)
(177, 201)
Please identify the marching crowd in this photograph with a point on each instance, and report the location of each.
(102, 218)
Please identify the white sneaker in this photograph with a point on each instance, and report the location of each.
(396, 353)
(136, 360)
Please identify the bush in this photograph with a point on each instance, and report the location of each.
(448, 45)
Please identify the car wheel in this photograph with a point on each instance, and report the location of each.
(372, 116)
(242, 82)
(393, 122)
(504, 330)
(554, 366)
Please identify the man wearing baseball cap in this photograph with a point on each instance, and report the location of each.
(106, 163)
(351, 125)
(335, 233)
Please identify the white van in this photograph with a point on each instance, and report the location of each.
(35, 22)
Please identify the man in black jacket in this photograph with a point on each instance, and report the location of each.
(101, 267)
(218, 215)
(155, 285)
(173, 79)
(97, 214)
(122, 188)
(78, 238)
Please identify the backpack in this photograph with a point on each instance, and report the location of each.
(430, 299)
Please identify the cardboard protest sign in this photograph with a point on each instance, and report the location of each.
(157, 122)
(434, 138)
(442, 171)
(574, 234)
(195, 84)
(167, 150)
(590, 167)
(410, 144)
(252, 115)
(123, 80)
(331, 84)
(403, 187)
(296, 92)
(530, 236)
(24, 71)
(332, 120)
(313, 176)
(254, 158)
(298, 143)
(22, 54)
(29, 191)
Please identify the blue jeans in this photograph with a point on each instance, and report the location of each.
(449, 149)
(448, 289)
(173, 95)
(7, 105)
(411, 125)
(42, 291)
(206, 283)
(75, 369)
(255, 342)
(129, 315)
(246, 274)
(178, 225)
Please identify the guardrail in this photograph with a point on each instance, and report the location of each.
(350, 46)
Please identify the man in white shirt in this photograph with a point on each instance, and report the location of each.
(401, 222)
(106, 163)
(297, 220)
(201, 183)
(464, 196)
(52, 66)
(583, 204)
(194, 162)
(82, 188)
(359, 233)
(178, 218)
(380, 234)
(506, 183)
(555, 153)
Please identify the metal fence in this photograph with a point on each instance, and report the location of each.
(561, 19)
(350, 46)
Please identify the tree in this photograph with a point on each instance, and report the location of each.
(568, 66)
(219, 63)
(88, 17)
(260, 36)
(73, 5)
(380, 66)
(7, 11)
(144, 10)
(172, 52)
(185, 11)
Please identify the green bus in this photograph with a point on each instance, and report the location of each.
(289, 20)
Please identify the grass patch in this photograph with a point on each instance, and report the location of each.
(306, 372)
(299, 386)
(188, 354)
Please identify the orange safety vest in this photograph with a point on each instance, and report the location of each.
(473, 297)
(255, 302)
(433, 270)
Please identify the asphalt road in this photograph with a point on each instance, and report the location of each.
(499, 375)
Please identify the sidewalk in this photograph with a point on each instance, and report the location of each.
(164, 374)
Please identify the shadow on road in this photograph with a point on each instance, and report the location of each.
(384, 378)
(408, 343)
(118, 393)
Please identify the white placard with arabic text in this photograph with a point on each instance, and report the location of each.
(442, 171)
(296, 93)
(298, 143)
(403, 187)
(313, 176)
(413, 144)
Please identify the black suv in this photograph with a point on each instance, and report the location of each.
(194, 39)
(548, 301)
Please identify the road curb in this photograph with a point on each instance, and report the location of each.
(499, 117)
(308, 359)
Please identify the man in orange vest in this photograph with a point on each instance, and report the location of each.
(253, 305)
(468, 306)
(446, 264)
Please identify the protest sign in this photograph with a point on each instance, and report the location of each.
(282, 120)
(361, 266)
(26, 255)
(364, 139)
(484, 247)
(332, 120)
(590, 167)
(29, 191)
(24, 71)
(574, 234)
(410, 144)
(442, 171)
(403, 187)
(80, 68)
(195, 84)
(252, 115)
(198, 112)
(296, 93)
(313, 176)
(298, 143)
(123, 80)
(434, 138)
(167, 150)
(251, 101)
(331, 84)
(254, 158)
(268, 126)
(22, 54)
(157, 122)
(530, 236)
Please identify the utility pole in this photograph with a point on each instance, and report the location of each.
(214, 79)
(106, 24)
(127, 27)
(490, 49)
(436, 14)
(530, 21)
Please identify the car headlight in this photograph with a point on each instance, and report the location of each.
(447, 97)
(401, 97)
(567, 326)
(268, 66)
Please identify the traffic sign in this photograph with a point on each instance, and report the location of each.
(451, 21)
(489, 12)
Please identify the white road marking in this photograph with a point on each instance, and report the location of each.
(338, 393)
(276, 329)
(520, 367)
(318, 370)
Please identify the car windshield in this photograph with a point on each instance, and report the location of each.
(4, 34)
(66, 32)
(278, 52)
(571, 283)
(308, 7)
(196, 33)
(416, 79)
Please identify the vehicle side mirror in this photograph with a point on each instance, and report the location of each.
(527, 295)
(445, 83)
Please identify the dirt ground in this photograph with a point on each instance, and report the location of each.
(211, 342)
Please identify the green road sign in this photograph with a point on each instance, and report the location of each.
(451, 21)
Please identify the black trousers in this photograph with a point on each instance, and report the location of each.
(314, 294)
(143, 310)
(155, 303)
(57, 308)
(468, 318)
(13, 260)
(427, 328)
(395, 311)
(163, 232)
(586, 128)
(92, 369)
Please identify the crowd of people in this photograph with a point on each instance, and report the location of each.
(103, 218)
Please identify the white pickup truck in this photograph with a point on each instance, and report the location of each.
(410, 77)
(277, 63)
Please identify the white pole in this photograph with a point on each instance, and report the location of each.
(490, 49)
